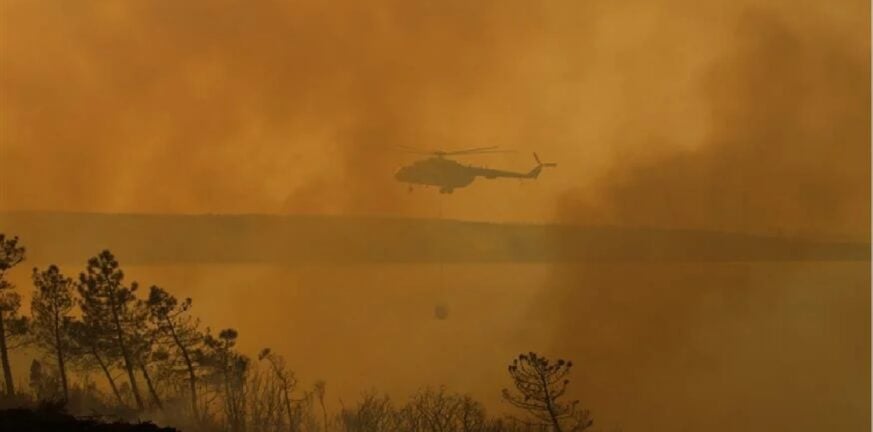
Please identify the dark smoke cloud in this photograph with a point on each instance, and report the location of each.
(227, 106)
(787, 151)
(292, 107)
(680, 346)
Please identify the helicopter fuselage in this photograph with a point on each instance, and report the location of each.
(436, 171)
(448, 174)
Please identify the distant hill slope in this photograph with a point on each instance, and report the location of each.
(69, 238)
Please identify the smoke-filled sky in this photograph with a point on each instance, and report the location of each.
(746, 116)
(749, 116)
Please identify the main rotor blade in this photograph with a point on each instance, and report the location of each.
(472, 150)
(483, 152)
(477, 150)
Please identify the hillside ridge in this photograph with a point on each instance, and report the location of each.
(69, 237)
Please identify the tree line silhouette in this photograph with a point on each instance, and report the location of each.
(158, 361)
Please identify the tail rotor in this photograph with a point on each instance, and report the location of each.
(540, 163)
(534, 173)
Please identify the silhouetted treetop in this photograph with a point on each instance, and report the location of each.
(51, 307)
(11, 325)
(112, 312)
(540, 384)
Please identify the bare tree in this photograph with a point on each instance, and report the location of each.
(303, 414)
(540, 384)
(472, 417)
(173, 321)
(432, 410)
(11, 325)
(286, 378)
(373, 413)
(108, 306)
(233, 368)
(50, 307)
(266, 410)
(320, 390)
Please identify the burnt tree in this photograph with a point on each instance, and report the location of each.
(540, 385)
(175, 324)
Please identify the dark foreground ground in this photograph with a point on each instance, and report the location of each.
(39, 420)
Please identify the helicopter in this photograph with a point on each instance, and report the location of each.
(448, 174)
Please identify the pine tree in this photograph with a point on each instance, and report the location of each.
(143, 344)
(541, 384)
(108, 308)
(50, 308)
(11, 325)
(89, 346)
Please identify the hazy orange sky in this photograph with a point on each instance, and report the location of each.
(735, 115)
(731, 115)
